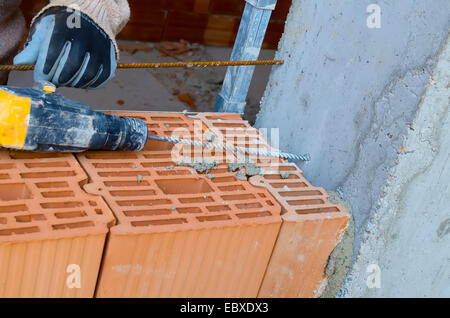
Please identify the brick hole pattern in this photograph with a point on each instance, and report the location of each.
(41, 198)
(295, 194)
(284, 180)
(237, 132)
(146, 196)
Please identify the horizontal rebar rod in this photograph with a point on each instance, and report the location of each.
(30, 67)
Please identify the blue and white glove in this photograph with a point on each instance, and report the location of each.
(69, 49)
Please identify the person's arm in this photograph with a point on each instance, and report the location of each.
(12, 30)
(72, 42)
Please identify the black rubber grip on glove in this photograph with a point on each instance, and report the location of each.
(87, 39)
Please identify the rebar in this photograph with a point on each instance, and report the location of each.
(30, 67)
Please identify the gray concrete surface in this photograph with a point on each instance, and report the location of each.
(347, 93)
(408, 236)
(157, 90)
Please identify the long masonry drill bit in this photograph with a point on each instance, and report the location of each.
(258, 152)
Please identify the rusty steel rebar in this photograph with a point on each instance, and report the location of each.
(30, 67)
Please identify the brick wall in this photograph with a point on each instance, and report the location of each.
(211, 22)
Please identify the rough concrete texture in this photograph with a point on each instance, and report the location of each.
(340, 259)
(408, 235)
(347, 94)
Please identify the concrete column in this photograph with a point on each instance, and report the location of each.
(248, 43)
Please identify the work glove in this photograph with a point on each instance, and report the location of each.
(69, 49)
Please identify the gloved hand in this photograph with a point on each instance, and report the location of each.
(69, 51)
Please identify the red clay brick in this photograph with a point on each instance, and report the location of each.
(185, 5)
(273, 34)
(149, 17)
(145, 5)
(228, 7)
(47, 222)
(310, 231)
(311, 225)
(142, 32)
(179, 233)
(188, 26)
(281, 10)
(235, 131)
(221, 30)
(202, 6)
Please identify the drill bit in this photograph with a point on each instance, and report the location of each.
(258, 152)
